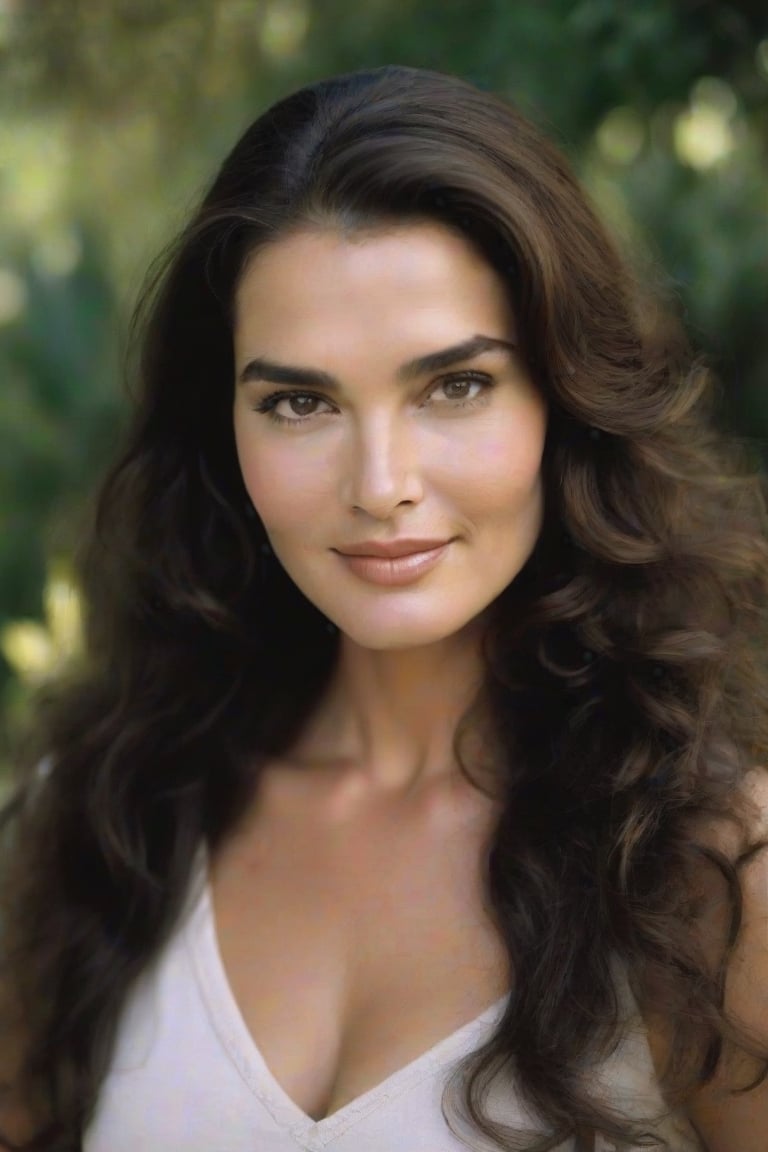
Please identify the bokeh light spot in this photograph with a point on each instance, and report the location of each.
(284, 27)
(36, 649)
(703, 137)
(621, 135)
(57, 253)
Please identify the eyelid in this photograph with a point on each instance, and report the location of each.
(268, 403)
(453, 374)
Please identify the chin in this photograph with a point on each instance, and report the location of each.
(392, 635)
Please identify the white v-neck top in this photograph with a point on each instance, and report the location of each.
(187, 1076)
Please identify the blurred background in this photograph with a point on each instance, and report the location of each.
(115, 113)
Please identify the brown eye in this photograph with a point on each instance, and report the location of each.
(300, 399)
(456, 388)
(269, 404)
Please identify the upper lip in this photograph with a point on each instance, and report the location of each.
(393, 548)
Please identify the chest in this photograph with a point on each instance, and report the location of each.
(353, 943)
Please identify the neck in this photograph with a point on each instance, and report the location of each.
(390, 716)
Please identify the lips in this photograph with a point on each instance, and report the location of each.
(393, 571)
(391, 550)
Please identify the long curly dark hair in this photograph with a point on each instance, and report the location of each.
(624, 666)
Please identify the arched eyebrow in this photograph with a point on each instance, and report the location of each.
(268, 370)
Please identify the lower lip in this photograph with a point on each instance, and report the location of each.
(397, 569)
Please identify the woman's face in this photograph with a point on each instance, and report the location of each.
(371, 445)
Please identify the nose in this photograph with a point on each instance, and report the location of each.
(383, 469)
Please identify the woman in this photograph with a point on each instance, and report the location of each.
(326, 828)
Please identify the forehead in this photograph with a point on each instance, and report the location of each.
(397, 278)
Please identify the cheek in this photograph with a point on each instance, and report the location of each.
(285, 487)
(503, 474)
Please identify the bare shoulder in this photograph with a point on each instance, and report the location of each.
(727, 1122)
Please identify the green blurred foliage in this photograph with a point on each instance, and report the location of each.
(114, 115)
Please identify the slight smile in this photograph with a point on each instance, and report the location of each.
(394, 570)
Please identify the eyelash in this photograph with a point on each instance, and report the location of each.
(267, 405)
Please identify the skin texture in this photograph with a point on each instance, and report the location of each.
(378, 458)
